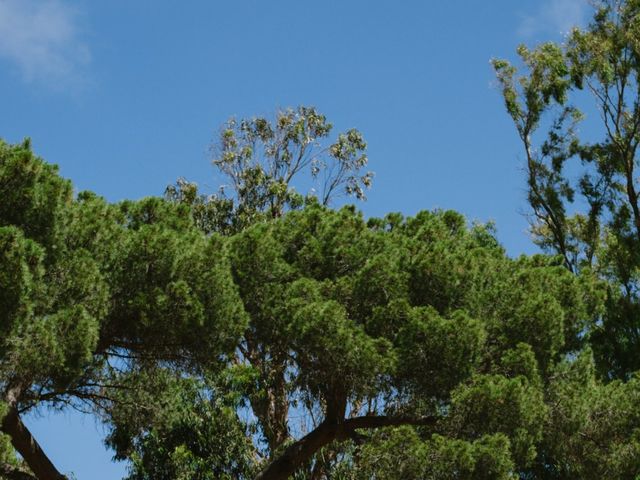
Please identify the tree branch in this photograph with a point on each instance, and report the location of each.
(370, 422)
(301, 451)
(27, 446)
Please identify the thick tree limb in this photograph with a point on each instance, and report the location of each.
(301, 451)
(27, 446)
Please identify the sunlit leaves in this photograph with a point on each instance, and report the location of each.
(266, 164)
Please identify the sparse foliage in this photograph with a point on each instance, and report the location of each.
(592, 221)
(262, 162)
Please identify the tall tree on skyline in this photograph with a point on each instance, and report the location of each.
(264, 163)
(592, 220)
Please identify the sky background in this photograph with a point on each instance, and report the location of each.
(126, 96)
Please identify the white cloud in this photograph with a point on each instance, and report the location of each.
(554, 17)
(42, 39)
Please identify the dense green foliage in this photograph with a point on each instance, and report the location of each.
(420, 322)
(260, 334)
(209, 356)
(89, 290)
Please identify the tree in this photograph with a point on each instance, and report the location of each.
(260, 160)
(90, 292)
(193, 431)
(594, 221)
(357, 328)
(410, 348)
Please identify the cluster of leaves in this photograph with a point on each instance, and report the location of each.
(196, 431)
(401, 453)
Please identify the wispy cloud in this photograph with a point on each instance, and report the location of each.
(43, 41)
(554, 17)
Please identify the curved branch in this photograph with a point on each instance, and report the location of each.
(301, 451)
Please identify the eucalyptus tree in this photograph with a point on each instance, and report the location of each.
(91, 291)
(582, 182)
(260, 162)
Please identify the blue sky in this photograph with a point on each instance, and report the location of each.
(126, 96)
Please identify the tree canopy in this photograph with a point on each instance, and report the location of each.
(259, 160)
(259, 333)
(316, 344)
